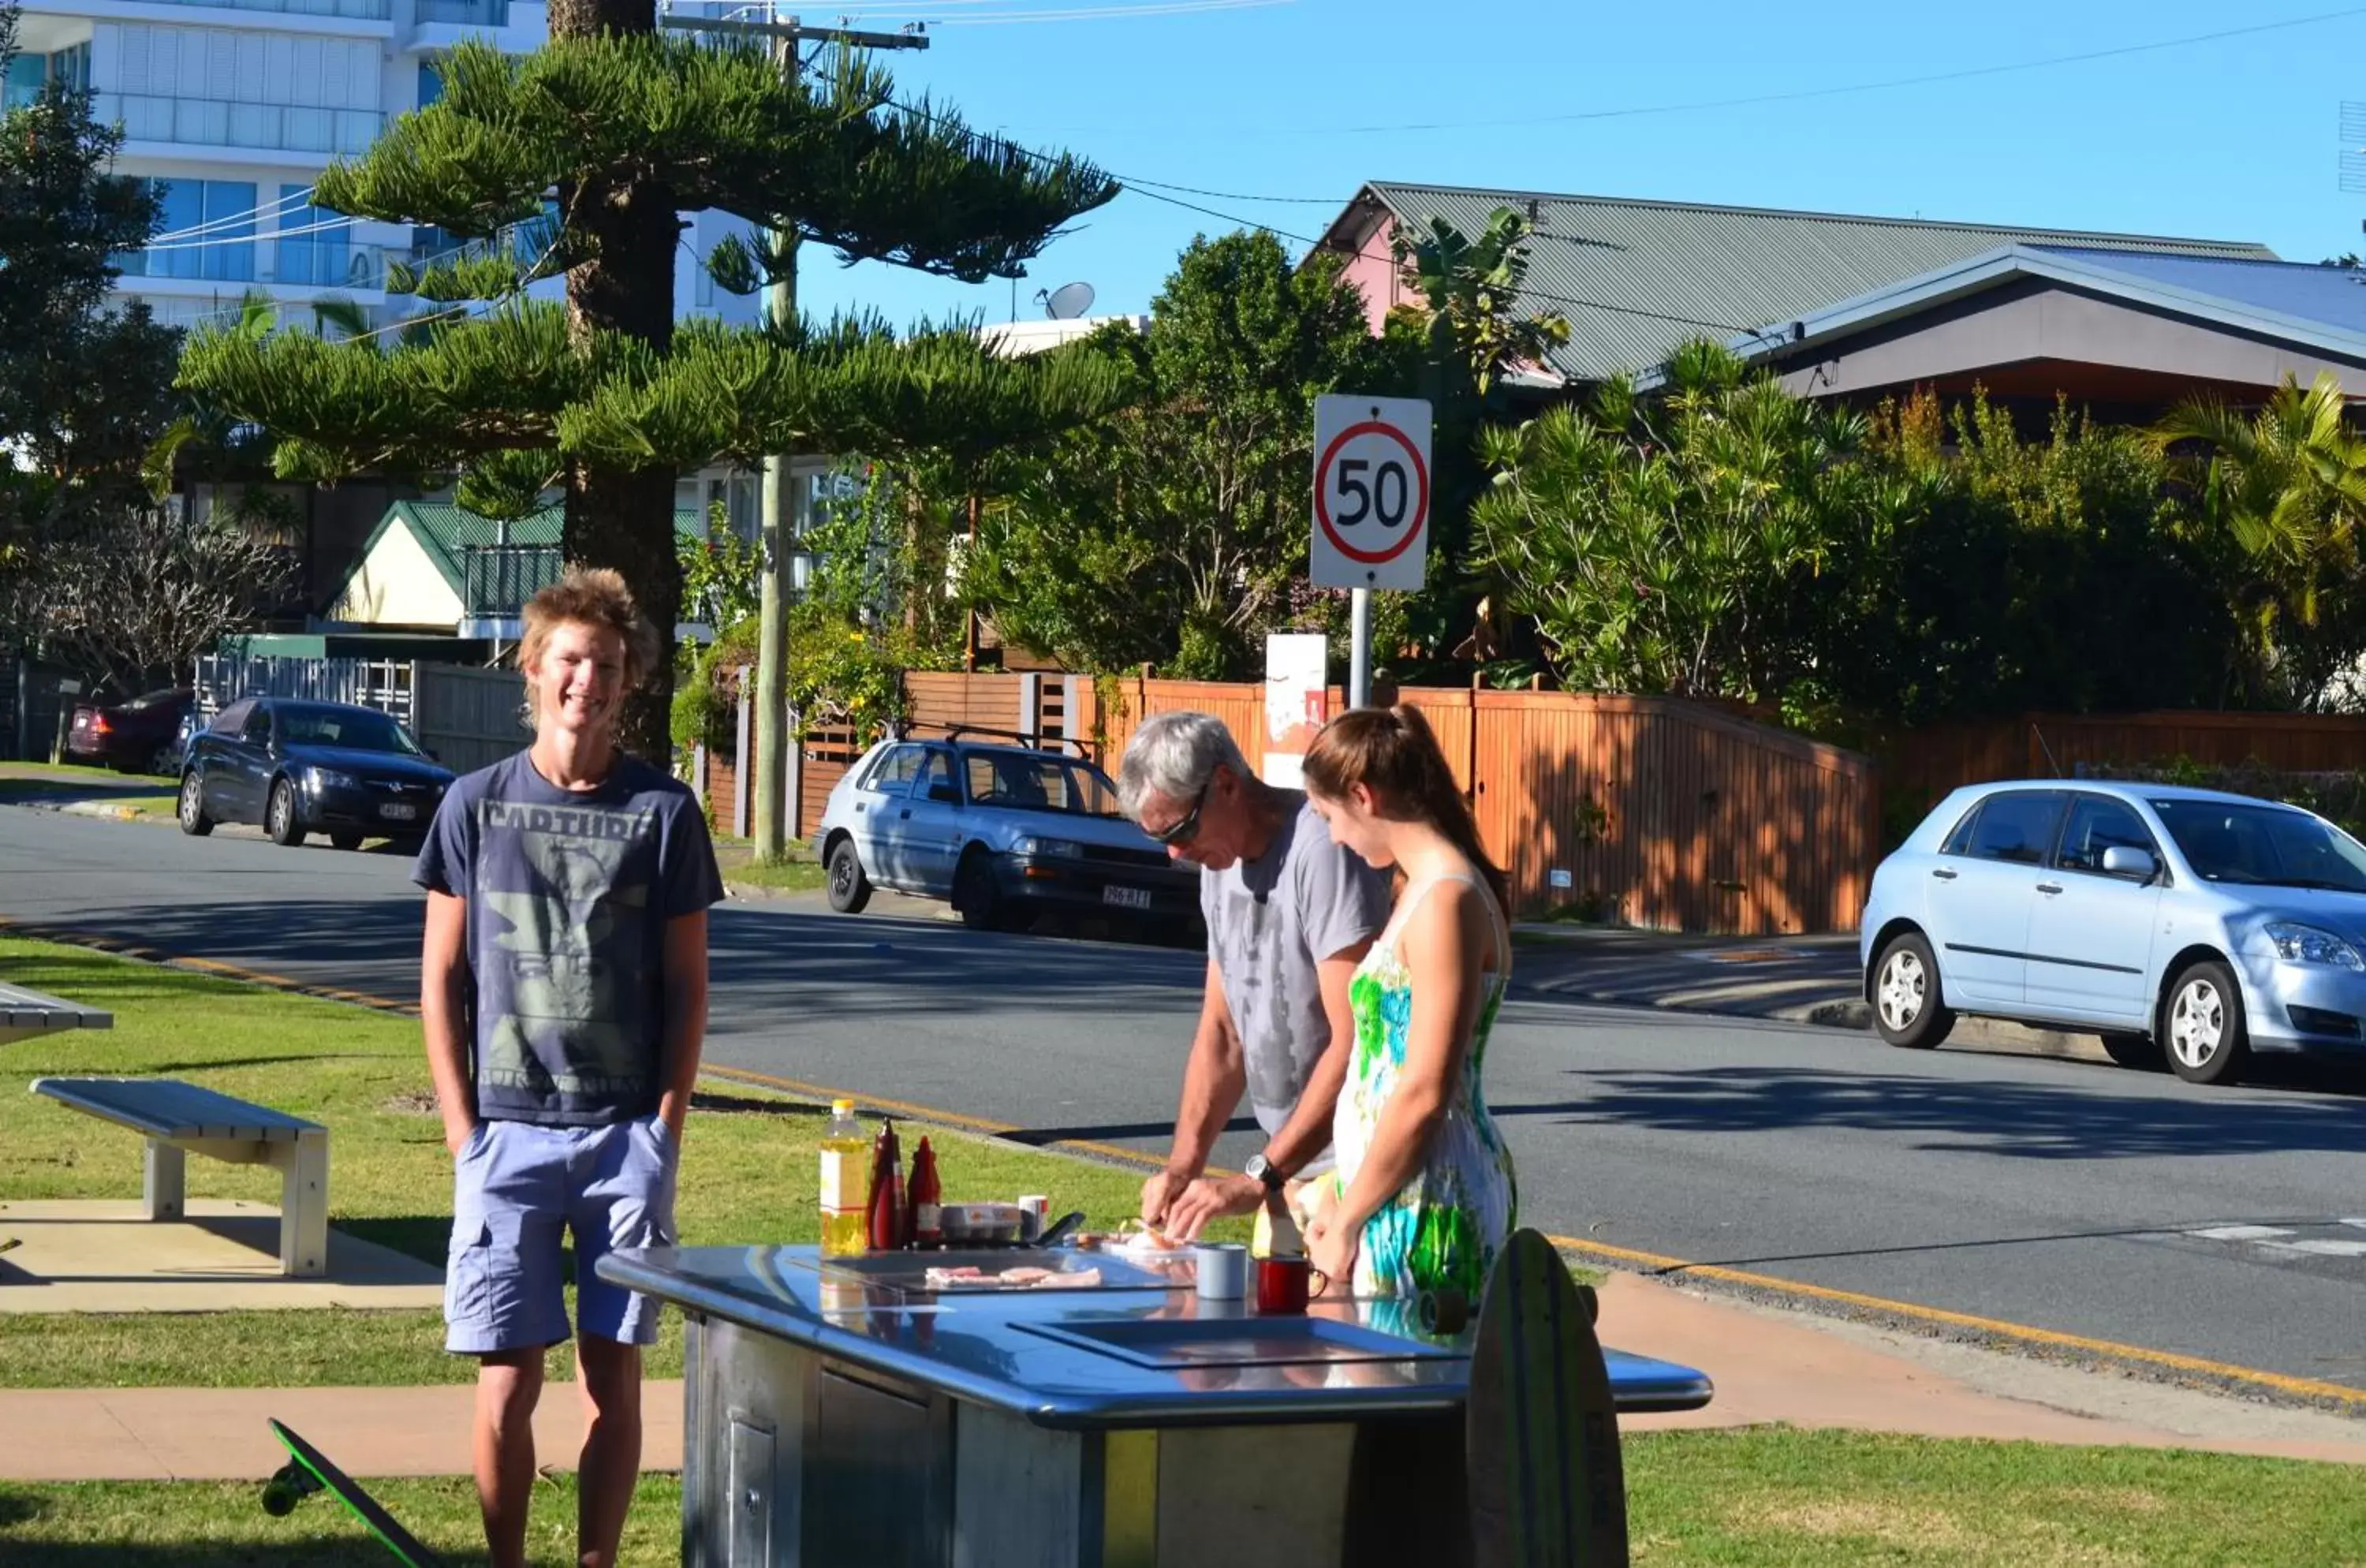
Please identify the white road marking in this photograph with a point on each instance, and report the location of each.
(2240, 1233)
(2322, 1248)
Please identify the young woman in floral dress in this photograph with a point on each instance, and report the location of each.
(1424, 1195)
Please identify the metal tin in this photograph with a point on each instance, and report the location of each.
(1223, 1269)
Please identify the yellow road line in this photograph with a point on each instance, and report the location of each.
(1652, 1262)
(1656, 1263)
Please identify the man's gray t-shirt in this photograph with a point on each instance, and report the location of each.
(1271, 922)
(568, 894)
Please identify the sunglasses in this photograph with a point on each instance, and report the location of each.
(1186, 828)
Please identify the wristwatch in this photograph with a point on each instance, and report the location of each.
(1263, 1172)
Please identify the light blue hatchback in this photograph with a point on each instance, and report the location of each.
(2204, 924)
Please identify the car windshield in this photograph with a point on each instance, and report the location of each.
(2263, 844)
(1028, 781)
(355, 729)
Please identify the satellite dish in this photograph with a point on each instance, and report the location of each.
(1068, 302)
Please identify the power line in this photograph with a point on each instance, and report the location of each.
(246, 217)
(1134, 182)
(246, 239)
(1804, 94)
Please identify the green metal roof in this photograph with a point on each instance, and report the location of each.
(1636, 278)
(444, 528)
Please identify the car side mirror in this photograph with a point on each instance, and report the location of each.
(946, 793)
(2138, 864)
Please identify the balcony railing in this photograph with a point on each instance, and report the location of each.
(216, 123)
(350, 10)
(497, 579)
(464, 13)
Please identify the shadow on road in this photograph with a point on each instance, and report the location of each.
(2035, 1120)
(772, 967)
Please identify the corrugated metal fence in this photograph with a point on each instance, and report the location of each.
(470, 718)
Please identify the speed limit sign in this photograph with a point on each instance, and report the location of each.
(1371, 492)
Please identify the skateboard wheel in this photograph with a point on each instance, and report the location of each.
(1444, 1311)
(278, 1499)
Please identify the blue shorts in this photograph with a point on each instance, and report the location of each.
(517, 1189)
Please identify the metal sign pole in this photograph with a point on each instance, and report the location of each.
(1360, 658)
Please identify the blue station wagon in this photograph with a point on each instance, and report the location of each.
(2197, 923)
(1003, 831)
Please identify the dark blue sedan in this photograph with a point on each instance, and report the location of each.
(300, 767)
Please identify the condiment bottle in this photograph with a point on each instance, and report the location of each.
(928, 1199)
(844, 1220)
(886, 1228)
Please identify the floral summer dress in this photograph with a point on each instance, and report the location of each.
(1445, 1226)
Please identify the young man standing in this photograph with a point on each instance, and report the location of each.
(563, 990)
(1290, 915)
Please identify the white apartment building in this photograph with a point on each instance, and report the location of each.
(234, 108)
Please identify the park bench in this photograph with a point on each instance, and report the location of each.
(24, 1014)
(181, 1119)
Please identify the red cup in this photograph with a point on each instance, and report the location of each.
(1281, 1284)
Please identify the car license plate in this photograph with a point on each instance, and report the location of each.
(397, 811)
(1126, 897)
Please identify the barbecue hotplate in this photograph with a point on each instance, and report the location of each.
(1178, 1344)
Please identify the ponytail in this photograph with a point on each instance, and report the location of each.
(1393, 754)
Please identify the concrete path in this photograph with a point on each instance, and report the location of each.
(1769, 1366)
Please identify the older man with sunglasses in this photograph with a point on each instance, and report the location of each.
(1289, 914)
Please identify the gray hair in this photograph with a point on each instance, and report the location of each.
(1174, 754)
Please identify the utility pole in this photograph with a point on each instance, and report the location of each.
(771, 737)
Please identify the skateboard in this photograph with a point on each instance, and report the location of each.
(308, 1470)
(1541, 1436)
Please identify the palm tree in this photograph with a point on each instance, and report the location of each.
(2287, 487)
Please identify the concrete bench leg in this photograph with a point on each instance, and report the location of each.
(165, 1182)
(303, 1204)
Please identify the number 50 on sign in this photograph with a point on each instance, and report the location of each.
(1372, 492)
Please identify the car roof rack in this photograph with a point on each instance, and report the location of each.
(962, 731)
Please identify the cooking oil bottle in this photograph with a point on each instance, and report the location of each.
(845, 1181)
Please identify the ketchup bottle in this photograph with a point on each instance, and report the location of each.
(887, 1211)
(927, 1200)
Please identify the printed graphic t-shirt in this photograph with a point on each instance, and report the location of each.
(569, 893)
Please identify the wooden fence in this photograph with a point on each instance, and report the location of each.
(1922, 765)
(1657, 812)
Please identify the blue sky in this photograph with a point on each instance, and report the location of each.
(2234, 138)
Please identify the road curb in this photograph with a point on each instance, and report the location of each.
(1853, 1015)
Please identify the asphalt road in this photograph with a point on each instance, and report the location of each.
(2226, 1225)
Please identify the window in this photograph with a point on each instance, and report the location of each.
(311, 254)
(232, 719)
(936, 776)
(1959, 842)
(1039, 782)
(2227, 843)
(2017, 827)
(430, 83)
(258, 726)
(893, 772)
(26, 75)
(224, 252)
(356, 729)
(2099, 823)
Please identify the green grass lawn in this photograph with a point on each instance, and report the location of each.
(796, 872)
(1764, 1499)
(750, 1167)
(22, 781)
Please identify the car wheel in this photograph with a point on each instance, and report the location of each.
(1907, 1007)
(280, 819)
(2130, 1049)
(976, 896)
(192, 811)
(347, 842)
(850, 889)
(160, 761)
(2202, 1024)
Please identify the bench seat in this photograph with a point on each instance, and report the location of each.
(24, 1014)
(181, 1119)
